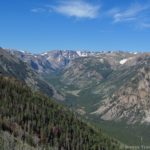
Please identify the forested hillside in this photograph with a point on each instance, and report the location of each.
(39, 122)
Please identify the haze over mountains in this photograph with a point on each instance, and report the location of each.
(109, 86)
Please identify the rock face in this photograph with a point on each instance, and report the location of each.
(112, 85)
(11, 65)
(131, 101)
(83, 72)
(56, 60)
(51, 61)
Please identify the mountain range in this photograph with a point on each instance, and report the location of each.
(105, 86)
(120, 79)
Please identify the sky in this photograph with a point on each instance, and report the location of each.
(94, 25)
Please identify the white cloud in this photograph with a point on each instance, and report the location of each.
(145, 25)
(78, 9)
(130, 14)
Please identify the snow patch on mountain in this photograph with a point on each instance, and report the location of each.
(123, 61)
(44, 54)
(81, 54)
(22, 51)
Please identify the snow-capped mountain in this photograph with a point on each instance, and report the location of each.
(56, 60)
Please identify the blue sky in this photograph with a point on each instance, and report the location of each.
(39, 25)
